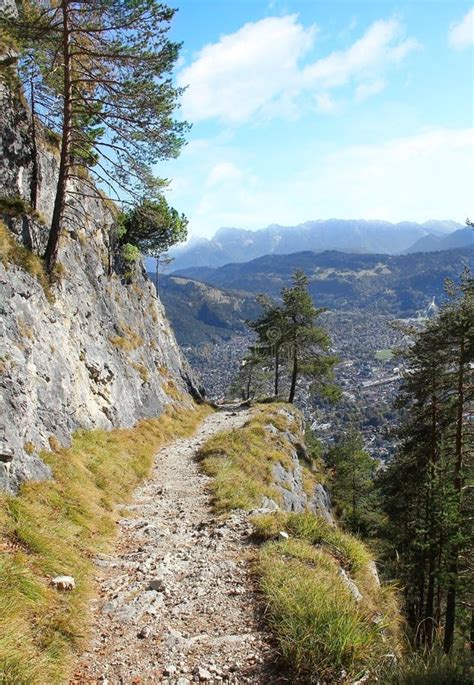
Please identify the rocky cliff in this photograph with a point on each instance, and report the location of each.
(92, 349)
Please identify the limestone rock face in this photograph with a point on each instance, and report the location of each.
(93, 350)
(289, 480)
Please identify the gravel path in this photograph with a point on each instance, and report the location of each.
(177, 602)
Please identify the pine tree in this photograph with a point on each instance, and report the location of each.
(307, 345)
(424, 489)
(287, 333)
(351, 481)
(99, 76)
(271, 332)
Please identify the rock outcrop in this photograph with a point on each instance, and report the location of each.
(289, 482)
(94, 349)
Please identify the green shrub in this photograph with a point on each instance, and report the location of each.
(130, 253)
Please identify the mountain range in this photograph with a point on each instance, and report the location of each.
(463, 237)
(359, 236)
(201, 313)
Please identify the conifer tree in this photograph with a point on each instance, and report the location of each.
(287, 333)
(270, 328)
(351, 480)
(100, 77)
(307, 344)
(424, 489)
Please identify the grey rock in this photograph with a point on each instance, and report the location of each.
(157, 584)
(65, 583)
(289, 484)
(101, 353)
(351, 586)
(203, 674)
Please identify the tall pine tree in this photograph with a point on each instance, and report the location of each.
(425, 489)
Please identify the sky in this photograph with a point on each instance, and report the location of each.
(317, 109)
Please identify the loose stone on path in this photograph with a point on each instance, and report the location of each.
(177, 601)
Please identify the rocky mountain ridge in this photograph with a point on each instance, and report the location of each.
(94, 349)
(348, 235)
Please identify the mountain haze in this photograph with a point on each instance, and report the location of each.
(360, 236)
(463, 237)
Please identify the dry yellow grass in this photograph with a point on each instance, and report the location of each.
(240, 461)
(128, 339)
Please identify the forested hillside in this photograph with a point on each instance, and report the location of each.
(397, 285)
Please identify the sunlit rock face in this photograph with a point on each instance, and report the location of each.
(93, 350)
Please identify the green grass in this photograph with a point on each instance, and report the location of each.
(431, 669)
(56, 527)
(240, 461)
(319, 626)
(352, 553)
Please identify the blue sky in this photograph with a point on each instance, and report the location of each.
(306, 109)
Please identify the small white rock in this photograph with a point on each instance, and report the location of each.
(204, 674)
(65, 583)
(283, 535)
(144, 633)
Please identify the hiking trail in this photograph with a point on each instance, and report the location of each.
(177, 601)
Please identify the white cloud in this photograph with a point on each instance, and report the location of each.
(259, 70)
(461, 34)
(325, 103)
(365, 90)
(425, 176)
(237, 76)
(224, 172)
(380, 46)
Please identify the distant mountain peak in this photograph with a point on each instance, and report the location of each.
(231, 244)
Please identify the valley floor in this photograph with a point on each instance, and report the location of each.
(177, 600)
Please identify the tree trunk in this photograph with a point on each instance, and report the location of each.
(277, 369)
(294, 375)
(34, 151)
(450, 616)
(429, 607)
(428, 624)
(52, 247)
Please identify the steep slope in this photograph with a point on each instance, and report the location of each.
(200, 313)
(240, 245)
(94, 349)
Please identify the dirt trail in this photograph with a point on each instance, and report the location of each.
(177, 602)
